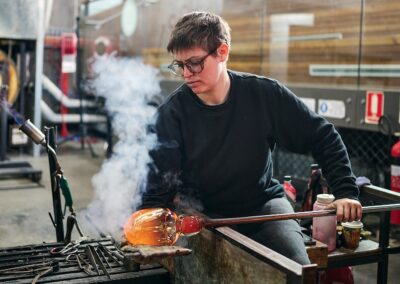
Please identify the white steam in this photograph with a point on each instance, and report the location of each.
(127, 86)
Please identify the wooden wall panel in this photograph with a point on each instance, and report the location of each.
(255, 49)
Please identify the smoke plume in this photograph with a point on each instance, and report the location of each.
(128, 86)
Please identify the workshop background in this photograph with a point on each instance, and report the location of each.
(89, 74)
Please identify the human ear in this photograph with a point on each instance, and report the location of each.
(223, 51)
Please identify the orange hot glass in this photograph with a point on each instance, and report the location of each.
(160, 227)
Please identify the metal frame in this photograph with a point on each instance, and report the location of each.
(379, 254)
(245, 248)
(376, 196)
(302, 273)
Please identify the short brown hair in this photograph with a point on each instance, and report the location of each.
(199, 29)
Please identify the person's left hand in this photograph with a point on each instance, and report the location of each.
(347, 210)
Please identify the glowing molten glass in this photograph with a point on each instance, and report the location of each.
(160, 227)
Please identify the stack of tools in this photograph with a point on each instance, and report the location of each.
(93, 259)
(80, 261)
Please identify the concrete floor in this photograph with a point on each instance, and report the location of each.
(24, 215)
(24, 212)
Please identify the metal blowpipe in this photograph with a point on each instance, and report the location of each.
(161, 226)
(299, 215)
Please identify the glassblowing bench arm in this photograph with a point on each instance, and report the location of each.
(55, 171)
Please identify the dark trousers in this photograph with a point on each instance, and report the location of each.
(284, 237)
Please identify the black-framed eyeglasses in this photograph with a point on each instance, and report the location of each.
(195, 66)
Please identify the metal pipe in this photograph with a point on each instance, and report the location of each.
(22, 75)
(3, 132)
(3, 121)
(53, 117)
(61, 97)
(39, 69)
(220, 222)
(33, 132)
(82, 127)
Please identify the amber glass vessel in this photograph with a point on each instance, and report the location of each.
(160, 227)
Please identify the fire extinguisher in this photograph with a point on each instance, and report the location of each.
(395, 177)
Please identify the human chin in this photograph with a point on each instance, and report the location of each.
(196, 86)
(196, 90)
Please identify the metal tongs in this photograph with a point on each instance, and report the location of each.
(40, 269)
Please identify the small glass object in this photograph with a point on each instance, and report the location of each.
(160, 227)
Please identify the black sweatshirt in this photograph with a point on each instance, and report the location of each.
(223, 153)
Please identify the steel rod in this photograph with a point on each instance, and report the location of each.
(220, 222)
(55, 186)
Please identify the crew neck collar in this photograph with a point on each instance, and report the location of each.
(227, 100)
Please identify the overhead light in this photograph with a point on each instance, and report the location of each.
(129, 18)
(330, 36)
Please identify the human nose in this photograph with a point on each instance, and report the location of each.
(186, 73)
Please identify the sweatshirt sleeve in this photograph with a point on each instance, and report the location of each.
(302, 131)
(165, 170)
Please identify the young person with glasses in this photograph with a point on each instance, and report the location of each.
(216, 133)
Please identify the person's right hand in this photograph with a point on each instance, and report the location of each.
(347, 210)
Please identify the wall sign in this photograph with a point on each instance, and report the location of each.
(309, 102)
(332, 108)
(374, 107)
